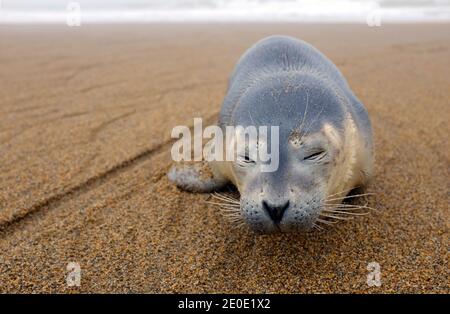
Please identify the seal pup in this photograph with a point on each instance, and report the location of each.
(325, 139)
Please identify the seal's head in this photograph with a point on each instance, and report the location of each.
(316, 151)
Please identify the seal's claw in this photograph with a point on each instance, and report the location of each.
(196, 177)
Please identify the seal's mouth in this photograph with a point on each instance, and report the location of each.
(264, 221)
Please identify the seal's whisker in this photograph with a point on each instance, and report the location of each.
(229, 209)
(351, 210)
(345, 191)
(232, 209)
(326, 221)
(312, 122)
(304, 113)
(349, 196)
(230, 214)
(344, 206)
(346, 212)
(235, 219)
(225, 198)
(317, 227)
(346, 197)
(336, 217)
(230, 206)
(218, 196)
(223, 204)
(239, 226)
(354, 207)
(229, 200)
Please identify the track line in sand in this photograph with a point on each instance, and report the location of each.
(91, 183)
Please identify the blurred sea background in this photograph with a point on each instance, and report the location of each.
(176, 11)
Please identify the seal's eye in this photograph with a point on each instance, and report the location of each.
(315, 156)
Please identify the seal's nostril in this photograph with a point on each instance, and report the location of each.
(275, 212)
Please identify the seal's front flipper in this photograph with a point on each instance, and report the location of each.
(196, 177)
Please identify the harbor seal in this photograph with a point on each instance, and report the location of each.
(325, 139)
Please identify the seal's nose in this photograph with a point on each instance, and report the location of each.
(275, 212)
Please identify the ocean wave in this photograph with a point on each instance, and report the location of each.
(120, 11)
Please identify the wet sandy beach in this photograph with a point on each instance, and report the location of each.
(85, 121)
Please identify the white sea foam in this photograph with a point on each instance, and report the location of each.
(147, 11)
